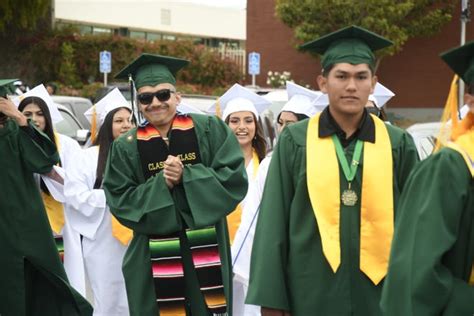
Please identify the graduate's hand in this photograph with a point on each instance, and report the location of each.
(173, 171)
(55, 176)
(9, 109)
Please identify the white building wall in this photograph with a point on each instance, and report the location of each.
(156, 16)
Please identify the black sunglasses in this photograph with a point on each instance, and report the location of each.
(147, 97)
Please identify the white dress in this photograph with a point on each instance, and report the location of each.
(242, 245)
(69, 149)
(103, 254)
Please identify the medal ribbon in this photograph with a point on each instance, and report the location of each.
(349, 172)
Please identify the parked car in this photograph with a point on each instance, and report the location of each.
(71, 126)
(76, 105)
(201, 102)
(425, 136)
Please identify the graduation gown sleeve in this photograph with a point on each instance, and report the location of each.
(433, 246)
(209, 190)
(38, 152)
(268, 284)
(88, 203)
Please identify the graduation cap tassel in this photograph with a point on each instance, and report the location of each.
(132, 100)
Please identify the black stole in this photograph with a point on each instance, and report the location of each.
(166, 256)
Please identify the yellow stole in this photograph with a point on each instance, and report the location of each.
(377, 219)
(120, 232)
(234, 218)
(54, 209)
(464, 144)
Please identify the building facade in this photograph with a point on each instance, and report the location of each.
(417, 75)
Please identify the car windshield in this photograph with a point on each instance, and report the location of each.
(68, 126)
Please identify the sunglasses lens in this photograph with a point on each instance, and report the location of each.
(145, 98)
(163, 95)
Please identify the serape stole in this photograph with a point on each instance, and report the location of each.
(166, 251)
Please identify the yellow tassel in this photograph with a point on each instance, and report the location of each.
(218, 108)
(450, 113)
(94, 125)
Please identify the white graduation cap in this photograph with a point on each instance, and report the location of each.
(40, 92)
(380, 96)
(113, 100)
(300, 100)
(188, 108)
(238, 99)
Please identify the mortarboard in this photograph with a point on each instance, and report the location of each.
(352, 44)
(238, 99)
(6, 87)
(150, 70)
(111, 101)
(300, 100)
(461, 61)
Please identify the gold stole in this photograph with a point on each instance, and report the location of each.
(234, 218)
(377, 219)
(465, 146)
(120, 232)
(54, 209)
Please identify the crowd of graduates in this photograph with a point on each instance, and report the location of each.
(171, 212)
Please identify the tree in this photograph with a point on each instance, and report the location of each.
(22, 14)
(397, 20)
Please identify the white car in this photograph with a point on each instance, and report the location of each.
(425, 136)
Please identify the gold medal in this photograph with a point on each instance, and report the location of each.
(349, 197)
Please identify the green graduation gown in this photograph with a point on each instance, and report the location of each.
(288, 269)
(33, 281)
(210, 190)
(433, 248)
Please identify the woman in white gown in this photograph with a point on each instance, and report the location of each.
(104, 240)
(299, 107)
(38, 106)
(241, 108)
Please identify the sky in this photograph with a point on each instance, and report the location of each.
(241, 4)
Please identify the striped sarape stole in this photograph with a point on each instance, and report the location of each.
(168, 272)
(166, 251)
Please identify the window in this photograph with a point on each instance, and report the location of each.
(165, 16)
(137, 34)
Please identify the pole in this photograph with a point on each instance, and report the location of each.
(105, 79)
(253, 80)
(465, 17)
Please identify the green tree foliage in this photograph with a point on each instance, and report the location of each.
(22, 14)
(397, 20)
(67, 68)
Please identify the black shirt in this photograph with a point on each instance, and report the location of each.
(328, 126)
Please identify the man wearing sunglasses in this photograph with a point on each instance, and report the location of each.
(173, 180)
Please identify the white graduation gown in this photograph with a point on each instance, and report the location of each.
(103, 253)
(69, 149)
(242, 245)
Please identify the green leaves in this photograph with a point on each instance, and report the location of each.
(22, 14)
(397, 20)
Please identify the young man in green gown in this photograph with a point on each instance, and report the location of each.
(173, 180)
(325, 226)
(32, 278)
(431, 261)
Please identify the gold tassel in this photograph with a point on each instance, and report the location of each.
(450, 113)
(218, 108)
(94, 125)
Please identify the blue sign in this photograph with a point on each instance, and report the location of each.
(105, 62)
(254, 63)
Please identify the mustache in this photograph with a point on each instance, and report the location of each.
(157, 107)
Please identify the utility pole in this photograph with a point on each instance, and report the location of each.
(465, 18)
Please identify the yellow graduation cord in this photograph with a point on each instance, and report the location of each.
(377, 219)
(54, 209)
(234, 219)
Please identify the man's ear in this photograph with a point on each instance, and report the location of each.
(322, 82)
(374, 82)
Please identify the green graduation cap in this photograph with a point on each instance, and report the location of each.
(6, 87)
(150, 70)
(352, 44)
(461, 61)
